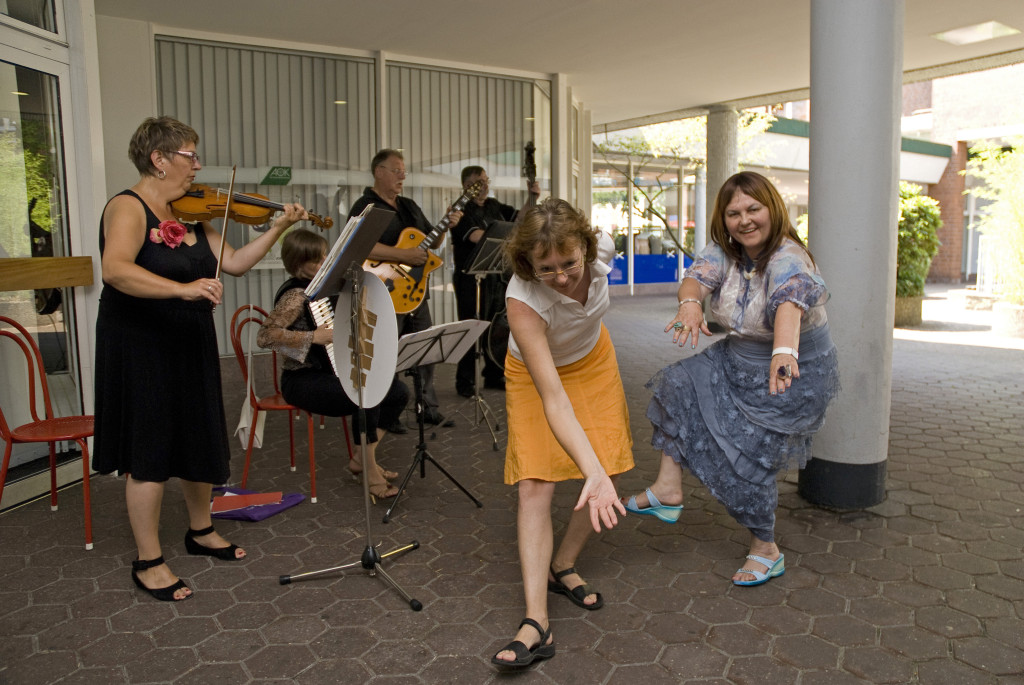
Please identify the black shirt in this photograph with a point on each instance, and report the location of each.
(475, 217)
(407, 215)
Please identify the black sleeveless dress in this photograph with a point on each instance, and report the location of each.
(159, 407)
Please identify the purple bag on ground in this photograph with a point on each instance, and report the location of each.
(256, 512)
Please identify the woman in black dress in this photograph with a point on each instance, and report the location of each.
(159, 410)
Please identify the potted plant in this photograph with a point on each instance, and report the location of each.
(1001, 169)
(917, 243)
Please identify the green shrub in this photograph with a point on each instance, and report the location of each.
(918, 239)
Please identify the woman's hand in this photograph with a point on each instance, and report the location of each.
(688, 323)
(323, 335)
(291, 213)
(205, 288)
(781, 373)
(599, 492)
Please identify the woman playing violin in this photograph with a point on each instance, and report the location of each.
(159, 410)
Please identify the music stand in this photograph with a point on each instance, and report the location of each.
(343, 266)
(486, 259)
(434, 345)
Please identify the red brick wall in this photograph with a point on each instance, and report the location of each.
(949, 191)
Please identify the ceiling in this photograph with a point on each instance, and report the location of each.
(628, 62)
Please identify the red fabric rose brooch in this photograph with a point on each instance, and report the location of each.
(170, 233)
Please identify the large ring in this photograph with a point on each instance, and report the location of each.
(210, 288)
(677, 325)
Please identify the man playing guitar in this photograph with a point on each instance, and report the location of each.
(388, 169)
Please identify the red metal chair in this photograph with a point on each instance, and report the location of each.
(49, 429)
(254, 316)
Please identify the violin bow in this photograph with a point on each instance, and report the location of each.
(224, 227)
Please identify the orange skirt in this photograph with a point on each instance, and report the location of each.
(595, 390)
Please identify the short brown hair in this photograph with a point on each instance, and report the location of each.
(554, 224)
(761, 189)
(301, 246)
(165, 134)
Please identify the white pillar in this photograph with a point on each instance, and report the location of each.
(700, 212)
(723, 149)
(856, 66)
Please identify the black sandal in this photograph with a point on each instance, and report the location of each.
(578, 593)
(164, 594)
(526, 655)
(222, 553)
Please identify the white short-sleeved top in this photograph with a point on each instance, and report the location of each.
(573, 328)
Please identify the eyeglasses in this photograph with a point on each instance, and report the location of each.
(396, 172)
(193, 156)
(549, 275)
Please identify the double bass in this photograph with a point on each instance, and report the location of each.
(498, 331)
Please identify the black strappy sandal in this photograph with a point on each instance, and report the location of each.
(526, 655)
(164, 594)
(578, 593)
(222, 553)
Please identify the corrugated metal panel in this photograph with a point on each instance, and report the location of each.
(255, 108)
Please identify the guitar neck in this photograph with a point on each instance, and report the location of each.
(445, 222)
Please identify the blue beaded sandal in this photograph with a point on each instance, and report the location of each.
(664, 512)
(775, 568)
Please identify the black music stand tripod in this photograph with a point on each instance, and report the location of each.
(371, 558)
(435, 345)
(486, 260)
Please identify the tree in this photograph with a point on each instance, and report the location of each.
(650, 147)
(1002, 222)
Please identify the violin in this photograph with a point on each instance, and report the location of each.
(202, 203)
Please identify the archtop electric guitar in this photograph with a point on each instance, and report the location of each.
(408, 284)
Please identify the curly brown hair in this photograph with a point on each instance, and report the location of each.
(164, 134)
(761, 189)
(552, 225)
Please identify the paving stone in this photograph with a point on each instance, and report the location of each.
(926, 587)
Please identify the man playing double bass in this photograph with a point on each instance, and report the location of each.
(388, 169)
(479, 213)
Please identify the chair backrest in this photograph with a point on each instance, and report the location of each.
(34, 362)
(244, 318)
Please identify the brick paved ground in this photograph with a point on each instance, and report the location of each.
(927, 587)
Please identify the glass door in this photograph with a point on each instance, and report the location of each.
(34, 225)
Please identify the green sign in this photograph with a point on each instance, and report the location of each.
(277, 176)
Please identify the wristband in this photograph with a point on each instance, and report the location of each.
(786, 350)
(690, 299)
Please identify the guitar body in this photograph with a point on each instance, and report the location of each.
(407, 284)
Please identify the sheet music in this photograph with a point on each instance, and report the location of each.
(351, 248)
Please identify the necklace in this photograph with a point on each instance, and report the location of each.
(748, 270)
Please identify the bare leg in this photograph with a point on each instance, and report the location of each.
(356, 463)
(768, 550)
(535, 541)
(144, 499)
(668, 487)
(197, 500)
(576, 535)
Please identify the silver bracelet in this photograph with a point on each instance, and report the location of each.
(690, 299)
(786, 350)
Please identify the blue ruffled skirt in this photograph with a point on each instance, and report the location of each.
(713, 414)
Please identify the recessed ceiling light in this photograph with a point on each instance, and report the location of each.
(341, 102)
(977, 33)
(18, 92)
